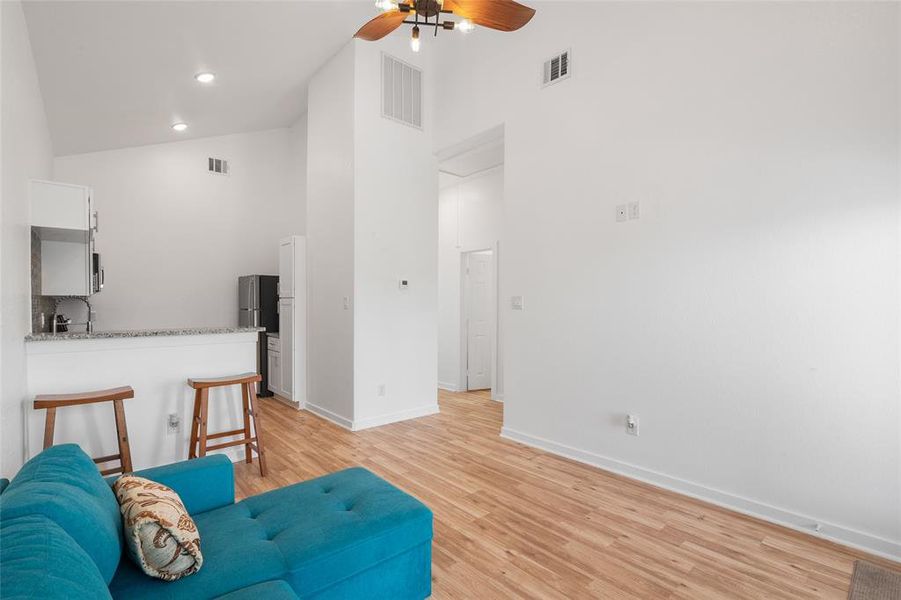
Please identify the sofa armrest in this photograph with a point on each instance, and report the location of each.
(202, 483)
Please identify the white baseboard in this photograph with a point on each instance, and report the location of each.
(329, 415)
(830, 531)
(448, 387)
(498, 397)
(403, 415)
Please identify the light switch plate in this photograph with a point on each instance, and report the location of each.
(516, 302)
(621, 213)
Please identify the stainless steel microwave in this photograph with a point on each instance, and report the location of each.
(96, 273)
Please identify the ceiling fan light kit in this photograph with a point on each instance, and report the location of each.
(501, 15)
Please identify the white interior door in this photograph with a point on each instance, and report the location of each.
(478, 318)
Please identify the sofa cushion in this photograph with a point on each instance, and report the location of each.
(63, 484)
(160, 536)
(312, 534)
(270, 590)
(40, 560)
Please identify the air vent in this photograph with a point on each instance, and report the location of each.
(401, 91)
(219, 166)
(557, 68)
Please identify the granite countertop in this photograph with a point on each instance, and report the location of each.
(135, 333)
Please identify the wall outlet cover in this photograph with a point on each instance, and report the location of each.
(172, 423)
(632, 425)
(516, 302)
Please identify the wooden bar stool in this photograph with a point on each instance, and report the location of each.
(116, 395)
(199, 435)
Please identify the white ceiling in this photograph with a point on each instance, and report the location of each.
(117, 74)
(474, 160)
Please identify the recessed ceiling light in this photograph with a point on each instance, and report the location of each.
(180, 126)
(205, 77)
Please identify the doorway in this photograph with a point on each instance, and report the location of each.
(470, 214)
(477, 319)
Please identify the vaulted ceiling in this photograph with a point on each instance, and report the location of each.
(117, 74)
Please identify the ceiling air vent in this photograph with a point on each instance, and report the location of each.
(557, 68)
(401, 92)
(219, 166)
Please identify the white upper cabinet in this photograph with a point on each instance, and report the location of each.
(286, 268)
(61, 205)
(292, 267)
(62, 215)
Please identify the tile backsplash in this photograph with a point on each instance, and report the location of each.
(40, 305)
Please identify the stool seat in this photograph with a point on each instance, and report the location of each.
(50, 402)
(47, 400)
(227, 380)
(200, 436)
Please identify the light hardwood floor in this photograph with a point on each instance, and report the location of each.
(515, 522)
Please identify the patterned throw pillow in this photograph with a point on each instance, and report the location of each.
(160, 535)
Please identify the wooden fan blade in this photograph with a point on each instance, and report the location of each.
(503, 15)
(381, 26)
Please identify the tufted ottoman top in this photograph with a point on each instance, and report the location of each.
(310, 534)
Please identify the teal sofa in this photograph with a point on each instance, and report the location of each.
(346, 535)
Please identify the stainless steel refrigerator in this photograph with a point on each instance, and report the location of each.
(258, 307)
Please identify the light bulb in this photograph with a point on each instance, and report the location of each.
(414, 41)
(386, 5)
(465, 26)
(205, 77)
(180, 126)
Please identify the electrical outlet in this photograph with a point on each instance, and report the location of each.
(634, 210)
(516, 302)
(380, 390)
(621, 213)
(632, 425)
(173, 423)
(346, 302)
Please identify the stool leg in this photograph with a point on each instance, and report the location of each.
(245, 400)
(49, 426)
(195, 425)
(252, 393)
(122, 433)
(204, 397)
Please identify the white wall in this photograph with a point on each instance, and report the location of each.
(330, 237)
(395, 237)
(372, 221)
(26, 153)
(750, 317)
(469, 218)
(175, 238)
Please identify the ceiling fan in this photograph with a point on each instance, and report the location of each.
(503, 15)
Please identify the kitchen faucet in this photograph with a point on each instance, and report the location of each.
(88, 324)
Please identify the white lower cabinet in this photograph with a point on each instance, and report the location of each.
(286, 339)
(275, 373)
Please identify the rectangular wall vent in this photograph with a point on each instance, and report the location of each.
(401, 91)
(557, 68)
(218, 166)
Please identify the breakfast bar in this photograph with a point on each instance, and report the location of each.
(157, 364)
